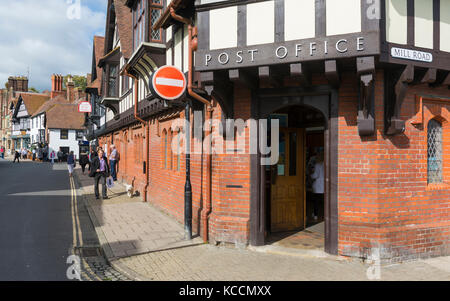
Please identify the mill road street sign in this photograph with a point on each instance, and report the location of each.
(168, 82)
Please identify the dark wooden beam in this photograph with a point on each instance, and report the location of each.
(301, 73)
(430, 77)
(264, 72)
(332, 73)
(365, 65)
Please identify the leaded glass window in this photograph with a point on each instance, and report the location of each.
(434, 152)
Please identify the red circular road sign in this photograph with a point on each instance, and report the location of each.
(168, 82)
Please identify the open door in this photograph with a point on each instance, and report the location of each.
(288, 183)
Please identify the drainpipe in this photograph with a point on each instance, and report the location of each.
(207, 206)
(146, 125)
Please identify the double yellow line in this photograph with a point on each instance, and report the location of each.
(76, 229)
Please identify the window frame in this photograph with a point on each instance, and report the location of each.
(155, 7)
(139, 23)
(61, 134)
(440, 169)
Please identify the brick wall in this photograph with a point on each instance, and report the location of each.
(385, 203)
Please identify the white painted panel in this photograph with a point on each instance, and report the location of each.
(343, 16)
(177, 49)
(445, 25)
(300, 21)
(223, 27)
(396, 21)
(261, 23)
(169, 33)
(169, 56)
(186, 49)
(423, 23)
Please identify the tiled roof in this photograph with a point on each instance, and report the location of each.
(124, 23)
(33, 101)
(65, 116)
(49, 104)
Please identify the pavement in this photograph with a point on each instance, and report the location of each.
(143, 243)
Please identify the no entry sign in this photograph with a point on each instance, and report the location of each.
(168, 82)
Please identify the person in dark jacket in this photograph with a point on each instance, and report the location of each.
(84, 161)
(100, 172)
(16, 157)
(71, 163)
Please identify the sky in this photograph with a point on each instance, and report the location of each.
(45, 37)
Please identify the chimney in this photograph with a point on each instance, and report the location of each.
(18, 84)
(57, 82)
(70, 90)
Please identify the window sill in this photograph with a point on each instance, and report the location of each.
(434, 187)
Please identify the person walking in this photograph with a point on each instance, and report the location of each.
(100, 172)
(71, 163)
(113, 159)
(60, 156)
(2, 152)
(45, 154)
(34, 154)
(319, 184)
(92, 155)
(40, 154)
(16, 157)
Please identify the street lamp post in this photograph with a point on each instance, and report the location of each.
(188, 187)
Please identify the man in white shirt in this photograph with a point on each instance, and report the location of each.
(113, 158)
(319, 183)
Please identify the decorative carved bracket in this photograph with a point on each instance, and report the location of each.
(394, 125)
(217, 84)
(366, 104)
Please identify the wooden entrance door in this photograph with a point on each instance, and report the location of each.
(288, 182)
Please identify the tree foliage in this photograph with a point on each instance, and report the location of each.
(79, 81)
(33, 89)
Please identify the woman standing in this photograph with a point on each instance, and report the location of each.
(71, 163)
(52, 157)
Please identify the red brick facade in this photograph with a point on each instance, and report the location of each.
(384, 200)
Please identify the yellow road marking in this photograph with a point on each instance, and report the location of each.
(74, 192)
(77, 228)
(74, 234)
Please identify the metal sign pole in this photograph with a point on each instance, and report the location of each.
(188, 187)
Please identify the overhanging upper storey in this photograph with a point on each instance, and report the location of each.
(241, 34)
(110, 64)
(146, 60)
